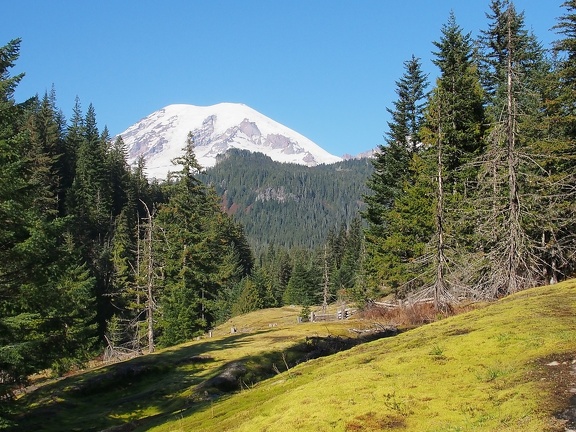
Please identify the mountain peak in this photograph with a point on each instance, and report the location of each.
(161, 136)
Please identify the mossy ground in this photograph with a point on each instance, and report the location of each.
(490, 369)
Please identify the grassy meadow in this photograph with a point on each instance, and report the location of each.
(506, 366)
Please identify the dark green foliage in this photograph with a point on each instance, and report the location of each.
(452, 134)
(392, 161)
(305, 314)
(565, 48)
(304, 285)
(287, 205)
(394, 262)
(455, 108)
(198, 248)
(47, 309)
(344, 250)
(276, 265)
(391, 243)
(249, 299)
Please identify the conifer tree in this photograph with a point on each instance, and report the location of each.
(46, 316)
(391, 165)
(453, 139)
(249, 299)
(196, 239)
(558, 244)
(512, 178)
(392, 175)
(397, 266)
(45, 130)
(185, 261)
(15, 200)
(300, 287)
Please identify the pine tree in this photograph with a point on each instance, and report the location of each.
(305, 284)
(299, 288)
(45, 129)
(185, 261)
(452, 136)
(558, 242)
(458, 104)
(249, 299)
(510, 178)
(46, 316)
(392, 161)
(15, 199)
(342, 260)
(392, 175)
(68, 310)
(123, 197)
(396, 262)
(195, 256)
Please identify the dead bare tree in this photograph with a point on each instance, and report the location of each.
(147, 273)
(440, 288)
(325, 282)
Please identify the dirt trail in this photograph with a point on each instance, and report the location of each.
(562, 374)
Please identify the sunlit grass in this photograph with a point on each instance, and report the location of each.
(474, 372)
(479, 371)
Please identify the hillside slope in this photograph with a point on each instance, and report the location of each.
(494, 369)
(288, 205)
(505, 367)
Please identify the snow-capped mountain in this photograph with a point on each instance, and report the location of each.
(161, 136)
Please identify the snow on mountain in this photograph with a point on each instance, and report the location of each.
(161, 136)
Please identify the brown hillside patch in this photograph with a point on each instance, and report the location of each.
(412, 315)
(558, 373)
(375, 422)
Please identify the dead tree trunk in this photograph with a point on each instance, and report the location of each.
(325, 282)
(440, 291)
(513, 264)
(150, 304)
(440, 283)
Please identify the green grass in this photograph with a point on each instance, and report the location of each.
(485, 370)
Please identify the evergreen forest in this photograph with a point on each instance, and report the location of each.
(472, 195)
(288, 205)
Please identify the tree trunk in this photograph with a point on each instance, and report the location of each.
(325, 287)
(149, 279)
(440, 282)
(513, 197)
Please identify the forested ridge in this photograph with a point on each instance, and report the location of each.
(288, 205)
(472, 195)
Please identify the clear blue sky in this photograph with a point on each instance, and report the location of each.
(325, 68)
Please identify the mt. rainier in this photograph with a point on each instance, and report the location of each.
(161, 136)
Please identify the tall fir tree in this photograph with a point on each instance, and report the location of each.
(393, 173)
(559, 243)
(196, 237)
(511, 178)
(46, 315)
(304, 286)
(392, 161)
(45, 128)
(452, 135)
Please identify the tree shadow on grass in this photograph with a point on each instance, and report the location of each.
(114, 394)
(151, 389)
